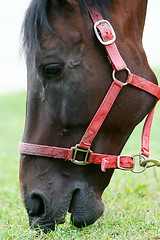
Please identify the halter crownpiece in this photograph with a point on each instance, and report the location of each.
(106, 36)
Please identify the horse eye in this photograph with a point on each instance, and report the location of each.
(52, 71)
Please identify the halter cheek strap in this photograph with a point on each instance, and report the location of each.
(106, 36)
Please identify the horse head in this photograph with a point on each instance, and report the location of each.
(68, 77)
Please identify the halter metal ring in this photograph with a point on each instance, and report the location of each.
(140, 161)
(114, 75)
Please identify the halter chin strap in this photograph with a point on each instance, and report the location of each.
(106, 36)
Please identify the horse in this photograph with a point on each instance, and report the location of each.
(69, 74)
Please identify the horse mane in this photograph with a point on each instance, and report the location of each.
(36, 18)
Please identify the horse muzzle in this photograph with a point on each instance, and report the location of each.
(45, 213)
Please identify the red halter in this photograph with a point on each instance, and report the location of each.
(107, 37)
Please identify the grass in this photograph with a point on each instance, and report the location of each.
(132, 201)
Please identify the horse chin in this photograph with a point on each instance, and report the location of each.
(85, 209)
(86, 218)
(45, 224)
(44, 227)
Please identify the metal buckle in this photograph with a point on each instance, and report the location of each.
(144, 162)
(98, 35)
(118, 163)
(133, 168)
(76, 150)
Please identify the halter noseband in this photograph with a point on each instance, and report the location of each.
(106, 36)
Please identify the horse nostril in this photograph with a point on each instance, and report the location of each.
(37, 205)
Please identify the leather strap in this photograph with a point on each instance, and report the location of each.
(111, 160)
(100, 115)
(144, 85)
(108, 102)
(155, 91)
(146, 133)
(106, 161)
(106, 35)
(45, 151)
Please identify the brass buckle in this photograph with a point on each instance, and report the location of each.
(76, 149)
